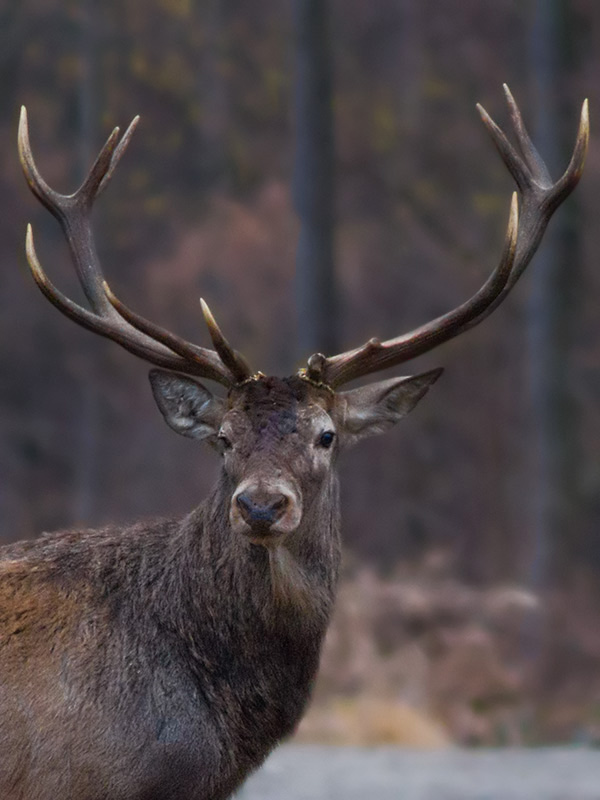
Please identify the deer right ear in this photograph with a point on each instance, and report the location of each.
(374, 408)
(187, 406)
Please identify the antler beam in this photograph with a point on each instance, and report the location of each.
(108, 316)
(540, 197)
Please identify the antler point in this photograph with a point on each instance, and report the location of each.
(507, 93)
(23, 134)
(34, 264)
(29, 246)
(485, 118)
(585, 117)
(207, 313)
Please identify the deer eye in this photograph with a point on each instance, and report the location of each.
(326, 439)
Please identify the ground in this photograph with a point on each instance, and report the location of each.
(387, 773)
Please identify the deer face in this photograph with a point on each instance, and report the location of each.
(279, 438)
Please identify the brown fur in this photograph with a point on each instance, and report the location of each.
(164, 661)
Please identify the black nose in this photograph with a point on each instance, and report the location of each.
(261, 511)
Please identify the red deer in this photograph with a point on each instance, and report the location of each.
(166, 659)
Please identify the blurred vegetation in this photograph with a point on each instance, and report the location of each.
(422, 659)
(201, 204)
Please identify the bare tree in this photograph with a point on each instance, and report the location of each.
(88, 453)
(552, 314)
(314, 179)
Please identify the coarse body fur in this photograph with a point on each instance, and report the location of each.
(159, 661)
(164, 661)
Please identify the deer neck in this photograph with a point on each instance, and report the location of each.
(294, 580)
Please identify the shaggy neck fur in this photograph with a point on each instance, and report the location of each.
(292, 583)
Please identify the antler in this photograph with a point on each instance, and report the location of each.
(540, 197)
(109, 316)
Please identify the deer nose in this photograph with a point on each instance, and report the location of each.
(261, 511)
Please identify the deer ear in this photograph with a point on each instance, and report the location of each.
(187, 406)
(378, 406)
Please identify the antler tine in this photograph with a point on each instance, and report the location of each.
(532, 158)
(572, 175)
(47, 196)
(100, 172)
(205, 360)
(108, 317)
(117, 154)
(539, 199)
(509, 155)
(233, 360)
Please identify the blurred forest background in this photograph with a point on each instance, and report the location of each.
(470, 607)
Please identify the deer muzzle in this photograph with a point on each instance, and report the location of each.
(265, 512)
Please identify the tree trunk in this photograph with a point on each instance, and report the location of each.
(552, 312)
(87, 455)
(313, 187)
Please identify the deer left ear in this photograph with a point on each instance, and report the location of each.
(378, 406)
(187, 406)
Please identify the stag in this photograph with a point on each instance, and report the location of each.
(166, 659)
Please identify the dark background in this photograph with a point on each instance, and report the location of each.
(496, 475)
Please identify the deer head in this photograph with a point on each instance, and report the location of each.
(278, 437)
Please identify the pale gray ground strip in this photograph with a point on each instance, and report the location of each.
(297, 772)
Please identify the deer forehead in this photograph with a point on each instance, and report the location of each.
(276, 408)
